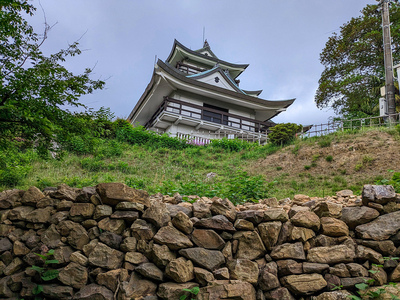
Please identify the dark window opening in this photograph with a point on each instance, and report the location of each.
(213, 116)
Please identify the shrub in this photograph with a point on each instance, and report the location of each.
(233, 144)
(239, 188)
(284, 133)
(325, 141)
(140, 136)
(15, 165)
(329, 158)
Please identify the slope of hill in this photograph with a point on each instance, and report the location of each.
(313, 166)
(340, 161)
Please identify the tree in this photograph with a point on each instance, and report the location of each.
(283, 133)
(34, 88)
(354, 63)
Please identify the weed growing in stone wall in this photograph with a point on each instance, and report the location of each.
(46, 273)
(193, 291)
(366, 292)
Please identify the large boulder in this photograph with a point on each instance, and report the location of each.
(334, 227)
(268, 279)
(157, 214)
(172, 237)
(180, 270)
(224, 207)
(74, 275)
(208, 259)
(114, 193)
(136, 288)
(172, 290)
(217, 223)
(305, 284)
(358, 215)
(269, 233)
(207, 238)
(289, 251)
(94, 291)
(382, 228)
(105, 257)
(244, 270)
(380, 194)
(250, 245)
(237, 290)
(331, 254)
(32, 196)
(306, 219)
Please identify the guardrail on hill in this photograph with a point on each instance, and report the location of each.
(342, 125)
(205, 137)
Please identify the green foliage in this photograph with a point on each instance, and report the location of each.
(325, 141)
(15, 163)
(193, 291)
(34, 87)
(45, 272)
(373, 293)
(284, 133)
(394, 181)
(140, 136)
(233, 144)
(238, 189)
(329, 158)
(136, 183)
(354, 63)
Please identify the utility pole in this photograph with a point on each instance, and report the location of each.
(387, 50)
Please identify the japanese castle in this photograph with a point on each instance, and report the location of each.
(196, 95)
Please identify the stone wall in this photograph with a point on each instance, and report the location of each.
(115, 242)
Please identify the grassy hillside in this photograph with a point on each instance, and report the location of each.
(312, 166)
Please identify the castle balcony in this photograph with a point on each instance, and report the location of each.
(173, 112)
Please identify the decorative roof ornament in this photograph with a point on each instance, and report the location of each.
(206, 45)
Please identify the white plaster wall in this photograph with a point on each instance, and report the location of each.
(222, 83)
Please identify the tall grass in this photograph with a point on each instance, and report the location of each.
(162, 164)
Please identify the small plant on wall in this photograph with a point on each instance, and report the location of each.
(193, 291)
(45, 272)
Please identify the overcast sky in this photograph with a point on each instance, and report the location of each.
(281, 40)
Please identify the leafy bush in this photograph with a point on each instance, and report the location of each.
(233, 144)
(394, 181)
(14, 164)
(240, 188)
(283, 133)
(140, 136)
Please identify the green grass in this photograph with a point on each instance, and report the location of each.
(155, 170)
(169, 167)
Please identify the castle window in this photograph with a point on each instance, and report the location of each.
(214, 115)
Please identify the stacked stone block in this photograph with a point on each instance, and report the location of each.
(115, 242)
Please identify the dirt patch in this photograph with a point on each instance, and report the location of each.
(356, 159)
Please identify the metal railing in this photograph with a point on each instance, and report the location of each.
(208, 114)
(343, 125)
(205, 137)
